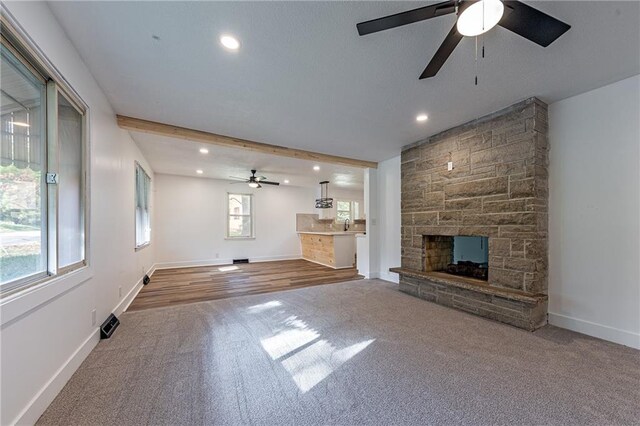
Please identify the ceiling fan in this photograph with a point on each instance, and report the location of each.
(254, 181)
(475, 17)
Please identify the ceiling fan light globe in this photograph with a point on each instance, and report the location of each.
(254, 184)
(480, 17)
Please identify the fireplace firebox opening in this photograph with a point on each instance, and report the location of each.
(462, 255)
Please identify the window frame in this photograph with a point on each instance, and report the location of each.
(137, 246)
(83, 183)
(351, 210)
(251, 215)
(20, 45)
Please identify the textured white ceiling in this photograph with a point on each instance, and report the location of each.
(304, 78)
(180, 157)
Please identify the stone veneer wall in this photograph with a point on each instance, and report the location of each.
(498, 188)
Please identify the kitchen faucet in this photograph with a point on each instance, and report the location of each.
(346, 224)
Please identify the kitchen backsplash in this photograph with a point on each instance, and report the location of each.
(312, 223)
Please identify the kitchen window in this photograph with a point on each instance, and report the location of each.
(240, 216)
(43, 183)
(347, 210)
(143, 216)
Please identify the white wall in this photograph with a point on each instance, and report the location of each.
(191, 221)
(594, 215)
(389, 217)
(47, 331)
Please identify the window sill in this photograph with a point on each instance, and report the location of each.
(239, 238)
(16, 304)
(145, 245)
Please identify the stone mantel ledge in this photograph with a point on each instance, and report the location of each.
(472, 285)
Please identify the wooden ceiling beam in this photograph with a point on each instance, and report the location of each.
(161, 129)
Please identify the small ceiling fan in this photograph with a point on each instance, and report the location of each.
(254, 181)
(475, 17)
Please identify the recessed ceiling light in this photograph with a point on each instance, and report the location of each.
(199, 171)
(20, 124)
(286, 181)
(230, 42)
(422, 117)
(204, 151)
(316, 168)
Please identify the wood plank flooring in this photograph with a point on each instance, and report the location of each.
(187, 285)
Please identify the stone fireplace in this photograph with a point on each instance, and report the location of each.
(497, 194)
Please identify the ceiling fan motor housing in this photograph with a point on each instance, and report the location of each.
(256, 181)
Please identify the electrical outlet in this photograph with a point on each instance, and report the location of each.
(120, 292)
(217, 255)
(93, 318)
(450, 165)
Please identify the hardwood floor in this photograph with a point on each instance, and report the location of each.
(187, 285)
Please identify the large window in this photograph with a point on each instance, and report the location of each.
(240, 216)
(143, 222)
(42, 172)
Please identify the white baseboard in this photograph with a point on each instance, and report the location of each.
(600, 331)
(126, 301)
(50, 390)
(216, 262)
(54, 385)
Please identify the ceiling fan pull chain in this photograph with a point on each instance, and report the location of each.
(476, 60)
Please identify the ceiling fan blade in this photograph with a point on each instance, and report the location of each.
(532, 24)
(269, 183)
(261, 178)
(404, 18)
(442, 54)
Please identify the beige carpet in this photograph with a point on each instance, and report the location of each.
(353, 353)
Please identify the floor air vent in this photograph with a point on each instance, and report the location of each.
(240, 261)
(109, 326)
